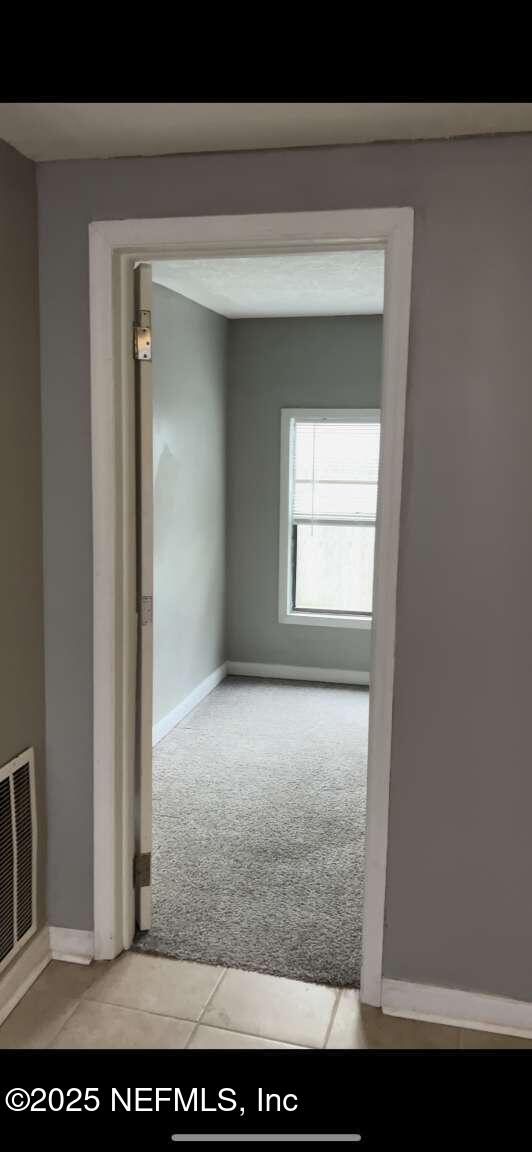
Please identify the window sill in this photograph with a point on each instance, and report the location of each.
(323, 620)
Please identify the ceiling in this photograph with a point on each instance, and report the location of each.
(298, 284)
(62, 131)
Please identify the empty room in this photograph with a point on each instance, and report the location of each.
(265, 378)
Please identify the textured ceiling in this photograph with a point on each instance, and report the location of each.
(299, 284)
(61, 131)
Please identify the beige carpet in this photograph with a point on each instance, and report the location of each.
(259, 811)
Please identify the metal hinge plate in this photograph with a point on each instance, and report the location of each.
(146, 610)
(142, 335)
(142, 870)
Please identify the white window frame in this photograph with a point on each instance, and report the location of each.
(288, 614)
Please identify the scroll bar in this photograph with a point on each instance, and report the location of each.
(269, 1138)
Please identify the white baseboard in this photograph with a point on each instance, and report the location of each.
(238, 668)
(23, 972)
(72, 944)
(164, 726)
(453, 1006)
(295, 672)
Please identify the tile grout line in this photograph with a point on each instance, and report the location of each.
(183, 1020)
(63, 1025)
(133, 1008)
(333, 1017)
(205, 1006)
(165, 1016)
(253, 1036)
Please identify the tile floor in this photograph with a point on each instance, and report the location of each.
(141, 1001)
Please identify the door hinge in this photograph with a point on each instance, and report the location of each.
(142, 335)
(142, 870)
(146, 610)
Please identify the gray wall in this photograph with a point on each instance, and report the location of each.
(460, 850)
(322, 362)
(21, 584)
(189, 398)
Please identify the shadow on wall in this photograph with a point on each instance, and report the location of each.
(169, 495)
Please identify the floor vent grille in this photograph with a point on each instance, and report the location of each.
(18, 854)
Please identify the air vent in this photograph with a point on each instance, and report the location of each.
(18, 853)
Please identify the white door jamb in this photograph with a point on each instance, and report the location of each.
(115, 245)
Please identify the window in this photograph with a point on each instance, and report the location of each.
(329, 473)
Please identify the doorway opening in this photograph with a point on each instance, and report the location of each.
(258, 433)
(116, 247)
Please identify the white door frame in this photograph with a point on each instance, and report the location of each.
(115, 245)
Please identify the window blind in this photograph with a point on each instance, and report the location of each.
(335, 472)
